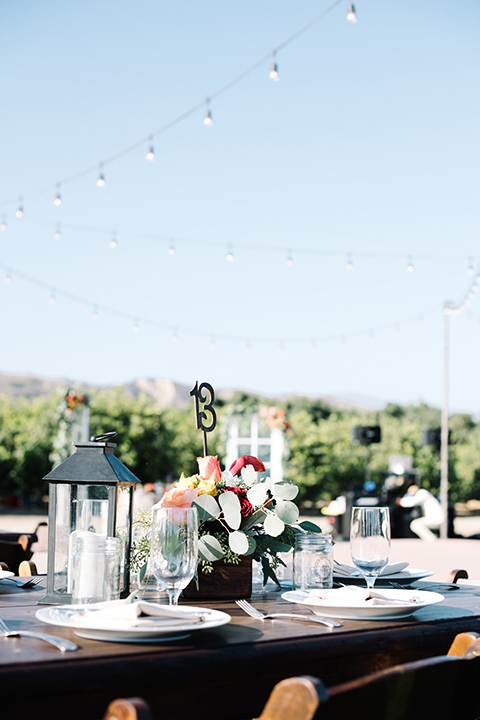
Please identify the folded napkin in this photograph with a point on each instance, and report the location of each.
(136, 614)
(354, 596)
(346, 570)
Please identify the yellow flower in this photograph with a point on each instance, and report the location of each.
(188, 482)
(207, 487)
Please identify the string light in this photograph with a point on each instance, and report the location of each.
(136, 326)
(396, 329)
(212, 342)
(349, 262)
(273, 74)
(281, 347)
(421, 320)
(58, 233)
(58, 198)
(289, 258)
(101, 177)
(8, 277)
(207, 120)
(470, 269)
(171, 249)
(95, 312)
(313, 346)
(248, 346)
(113, 241)
(343, 341)
(150, 156)
(351, 13)
(410, 264)
(3, 224)
(19, 212)
(52, 298)
(175, 335)
(229, 255)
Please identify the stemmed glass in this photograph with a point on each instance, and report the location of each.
(370, 541)
(173, 549)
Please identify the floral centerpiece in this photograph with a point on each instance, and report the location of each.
(240, 514)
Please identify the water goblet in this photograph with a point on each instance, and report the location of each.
(174, 548)
(370, 541)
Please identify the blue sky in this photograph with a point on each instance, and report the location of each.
(367, 145)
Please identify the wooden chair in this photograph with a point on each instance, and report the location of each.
(443, 688)
(128, 709)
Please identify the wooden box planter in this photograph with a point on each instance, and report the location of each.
(225, 582)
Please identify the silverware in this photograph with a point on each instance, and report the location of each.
(59, 643)
(254, 613)
(430, 586)
(31, 582)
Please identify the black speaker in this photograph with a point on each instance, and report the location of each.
(366, 434)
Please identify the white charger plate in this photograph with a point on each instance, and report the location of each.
(5, 574)
(405, 577)
(359, 610)
(120, 631)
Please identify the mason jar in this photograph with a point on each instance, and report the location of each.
(312, 561)
(96, 568)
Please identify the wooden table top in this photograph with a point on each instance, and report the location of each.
(230, 669)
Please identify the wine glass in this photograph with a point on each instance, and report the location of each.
(370, 541)
(173, 548)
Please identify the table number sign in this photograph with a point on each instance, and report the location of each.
(201, 417)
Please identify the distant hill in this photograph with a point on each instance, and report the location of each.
(165, 392)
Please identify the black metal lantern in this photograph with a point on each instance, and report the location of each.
(90, 491)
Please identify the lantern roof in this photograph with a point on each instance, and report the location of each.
(93, 463)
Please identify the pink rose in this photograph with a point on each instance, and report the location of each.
(209, 468)
(179, 498)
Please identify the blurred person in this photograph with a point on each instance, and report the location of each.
(433, 515)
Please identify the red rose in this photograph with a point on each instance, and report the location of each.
(246, 507)
(236, 467)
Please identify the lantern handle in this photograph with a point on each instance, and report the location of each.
(96, 438)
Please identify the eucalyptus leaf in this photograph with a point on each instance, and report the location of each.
(209, 548)
(256, 518)
(207, 507)
(238, 542)
(252, 544)
(287, 511)
(230, 505)
(274, 526)
(309, 526)
(277, 546)
(285, 490)
(258, 493)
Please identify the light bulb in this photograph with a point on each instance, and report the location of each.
(410, 265)
(101, 178)
(52, 298)
(281, 348)
(171, 249)
(273, 74)
(466, 303)
(212, 343)
(421, 320)
(343, 341)
(351, 15)
(477, 279)
(8, 278)
(475, 287)
(136, 327)
(19, 212)
(57, 234)
(289, 261)
(471, 295)
(396, 329)
(313, 346)
(349, 263)
(248, 346)
(371, 337)
(113, 242)
(175, 335)
(95, 313)
(229, 256)
(58, 198)
(207, 120)
(150, 156)
(3, 225)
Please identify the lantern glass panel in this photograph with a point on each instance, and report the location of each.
(123, 525)
(78, 507)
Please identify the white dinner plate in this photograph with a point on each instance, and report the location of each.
(405, 577)
(5, 573)
(335, 603)
(122, 631)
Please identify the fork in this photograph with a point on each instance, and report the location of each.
(60, 643)
(254, 613)
(431, 586)
(31, 582)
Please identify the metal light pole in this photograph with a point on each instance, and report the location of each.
(444, 431)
